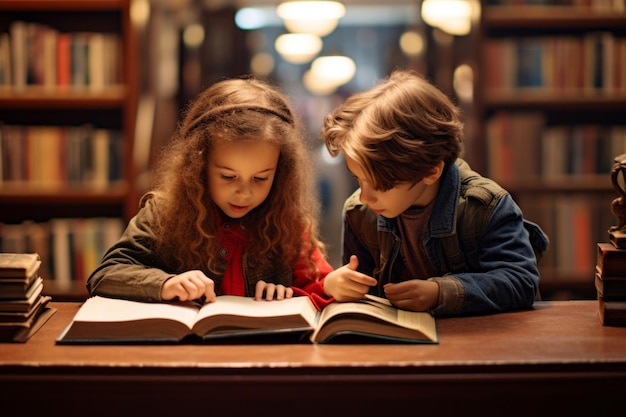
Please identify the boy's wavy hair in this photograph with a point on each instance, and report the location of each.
(283, 227)
(396, 131)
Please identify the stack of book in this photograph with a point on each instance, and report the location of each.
(610, 279)
(23, 308)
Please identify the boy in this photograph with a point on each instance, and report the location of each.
(433, 234)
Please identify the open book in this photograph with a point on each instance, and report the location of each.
(109, 320)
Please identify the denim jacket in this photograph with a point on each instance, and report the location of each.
(477, 240)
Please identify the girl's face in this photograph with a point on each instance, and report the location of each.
(395, 201)
(241, 175)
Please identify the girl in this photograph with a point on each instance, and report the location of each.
(232, 211)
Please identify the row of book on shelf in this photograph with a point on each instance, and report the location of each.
(574, 223)
(595, 61)
(610, 281)
(84, 155)
(523, 146)
(36, 54)
(71, 248)
(23, 307)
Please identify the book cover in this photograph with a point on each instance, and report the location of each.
(21, 332)
(64, 58)
(17, 34)
(375, 320)
(25, 303)
(19, 265)
(110, 320)
(610, 287)
(102, 320)
(12, 289)
(530, 57)
(611, 261)
(20, 317)
(612, 312)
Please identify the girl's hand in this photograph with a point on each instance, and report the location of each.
(190, 285)
(415, 295)
(271, 291)
(346, 283)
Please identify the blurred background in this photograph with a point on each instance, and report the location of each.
(191, 44)
(541, 85)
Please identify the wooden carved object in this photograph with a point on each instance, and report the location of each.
(618, 206)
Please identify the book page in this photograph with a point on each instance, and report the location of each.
(420, 321)
(247, 306)
(379, 310)
(102, 309)
(381, 300)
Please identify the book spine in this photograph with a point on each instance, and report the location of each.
(523, 146)
(612, 313)
(610, 260)
(53, 156)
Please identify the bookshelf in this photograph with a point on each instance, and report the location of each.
(69, 88)
(551, 99)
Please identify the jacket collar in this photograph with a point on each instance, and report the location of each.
(443, 219)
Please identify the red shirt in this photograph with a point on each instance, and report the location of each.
(233, 245)
(234, 239)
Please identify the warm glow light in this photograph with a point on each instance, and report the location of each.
(320, 27)
(457, 26)
(298, 48)
(318, 86)
(262, 63)
(193, 35)
(452, 16)
(411, 43)
(464, 82)
(300, 10)
(140, 12)
(316, 17)
(335, 69)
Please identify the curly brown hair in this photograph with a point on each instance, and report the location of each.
(396, 131)
(284, 227)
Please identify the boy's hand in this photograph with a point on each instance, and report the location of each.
(415, 295)
(346, 283)
(190, 285)
(272, 291)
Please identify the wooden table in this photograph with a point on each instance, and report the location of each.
(556, 359)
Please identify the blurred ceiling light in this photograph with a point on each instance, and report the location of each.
(316, 17)
(262, 63)
(318, 86)
(390, 14)
(411, 43)
(334, 69)
(457, 26)
(464, 82)
(140, 12)
(250, 18)
(298, 48)
(193, 35)
(452, 16)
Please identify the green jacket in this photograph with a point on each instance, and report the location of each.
(133, 269)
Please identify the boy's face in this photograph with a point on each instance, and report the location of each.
(241, 175)
(395, 201)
